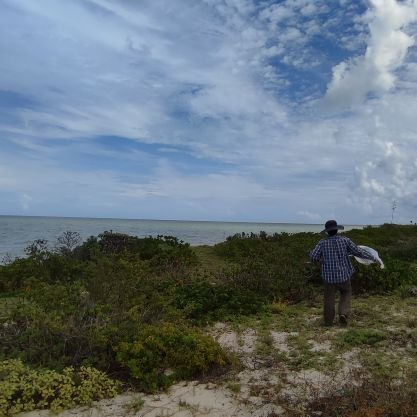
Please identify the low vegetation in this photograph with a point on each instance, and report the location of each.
(24, 389)
(136, 310)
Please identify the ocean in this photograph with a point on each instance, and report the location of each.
(16, 232)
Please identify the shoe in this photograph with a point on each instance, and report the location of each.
(343, 320)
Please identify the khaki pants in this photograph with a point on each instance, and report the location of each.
(345, 291)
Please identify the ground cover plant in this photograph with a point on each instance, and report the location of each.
(24, 389)
(137, 309)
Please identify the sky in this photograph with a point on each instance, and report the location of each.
(233, 110)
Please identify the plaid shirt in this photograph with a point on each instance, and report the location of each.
(333, 252)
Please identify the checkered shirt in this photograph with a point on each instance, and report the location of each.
(333, 252)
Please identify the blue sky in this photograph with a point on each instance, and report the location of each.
(235, 110)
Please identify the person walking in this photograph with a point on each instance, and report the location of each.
(336, 270)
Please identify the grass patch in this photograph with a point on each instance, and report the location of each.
(235, 387)
(265, 343)
(360, 337)
(136, 404)
(301, 356)
(375, 396)
(383, 364)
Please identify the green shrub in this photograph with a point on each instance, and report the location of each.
(166, 353)
(26, 389)
(165, 255)
(56, 326)
(210, 301)
(373, 280)
(45, 266)
(272, 266)
(272, 279)
(168, 249)
(76, 323)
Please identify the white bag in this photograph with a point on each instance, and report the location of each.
(371, 251)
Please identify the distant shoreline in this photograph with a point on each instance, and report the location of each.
(171, 220)
(17, 232)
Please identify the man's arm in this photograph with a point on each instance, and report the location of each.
(315, 254)
(361, 253)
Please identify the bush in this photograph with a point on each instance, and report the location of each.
(166, 253)
(166, 353)
(57, 326)
(373, 280)
(202, 300)
(26, 389)
(272, 266)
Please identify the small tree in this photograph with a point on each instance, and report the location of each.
(69, 240)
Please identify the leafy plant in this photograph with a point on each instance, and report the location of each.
(163, 354)
(26, 389)
(202, 300)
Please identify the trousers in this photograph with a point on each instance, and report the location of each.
(345, 290)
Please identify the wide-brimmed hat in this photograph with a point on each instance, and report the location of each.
(332, 225)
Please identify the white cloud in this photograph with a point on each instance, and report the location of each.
(390, 176)
(374, 72)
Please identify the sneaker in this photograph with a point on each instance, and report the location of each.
(343, 320)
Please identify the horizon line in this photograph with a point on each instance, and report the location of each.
(174, 220)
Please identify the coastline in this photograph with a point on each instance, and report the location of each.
(17, 232)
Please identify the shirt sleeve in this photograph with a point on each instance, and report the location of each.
(361, 253)
(315, 254)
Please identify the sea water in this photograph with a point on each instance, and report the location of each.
(17, 232)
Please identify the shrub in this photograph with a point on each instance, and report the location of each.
(77, 323)
(164, 255)
(371, 279)
(45, 266)
(272, 266)
(57, 326)
(202, 300)
(145, 248)
(26, 389)
(166, 353)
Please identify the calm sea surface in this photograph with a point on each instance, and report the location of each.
(17, 232)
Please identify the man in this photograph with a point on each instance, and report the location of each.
(336, 270)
